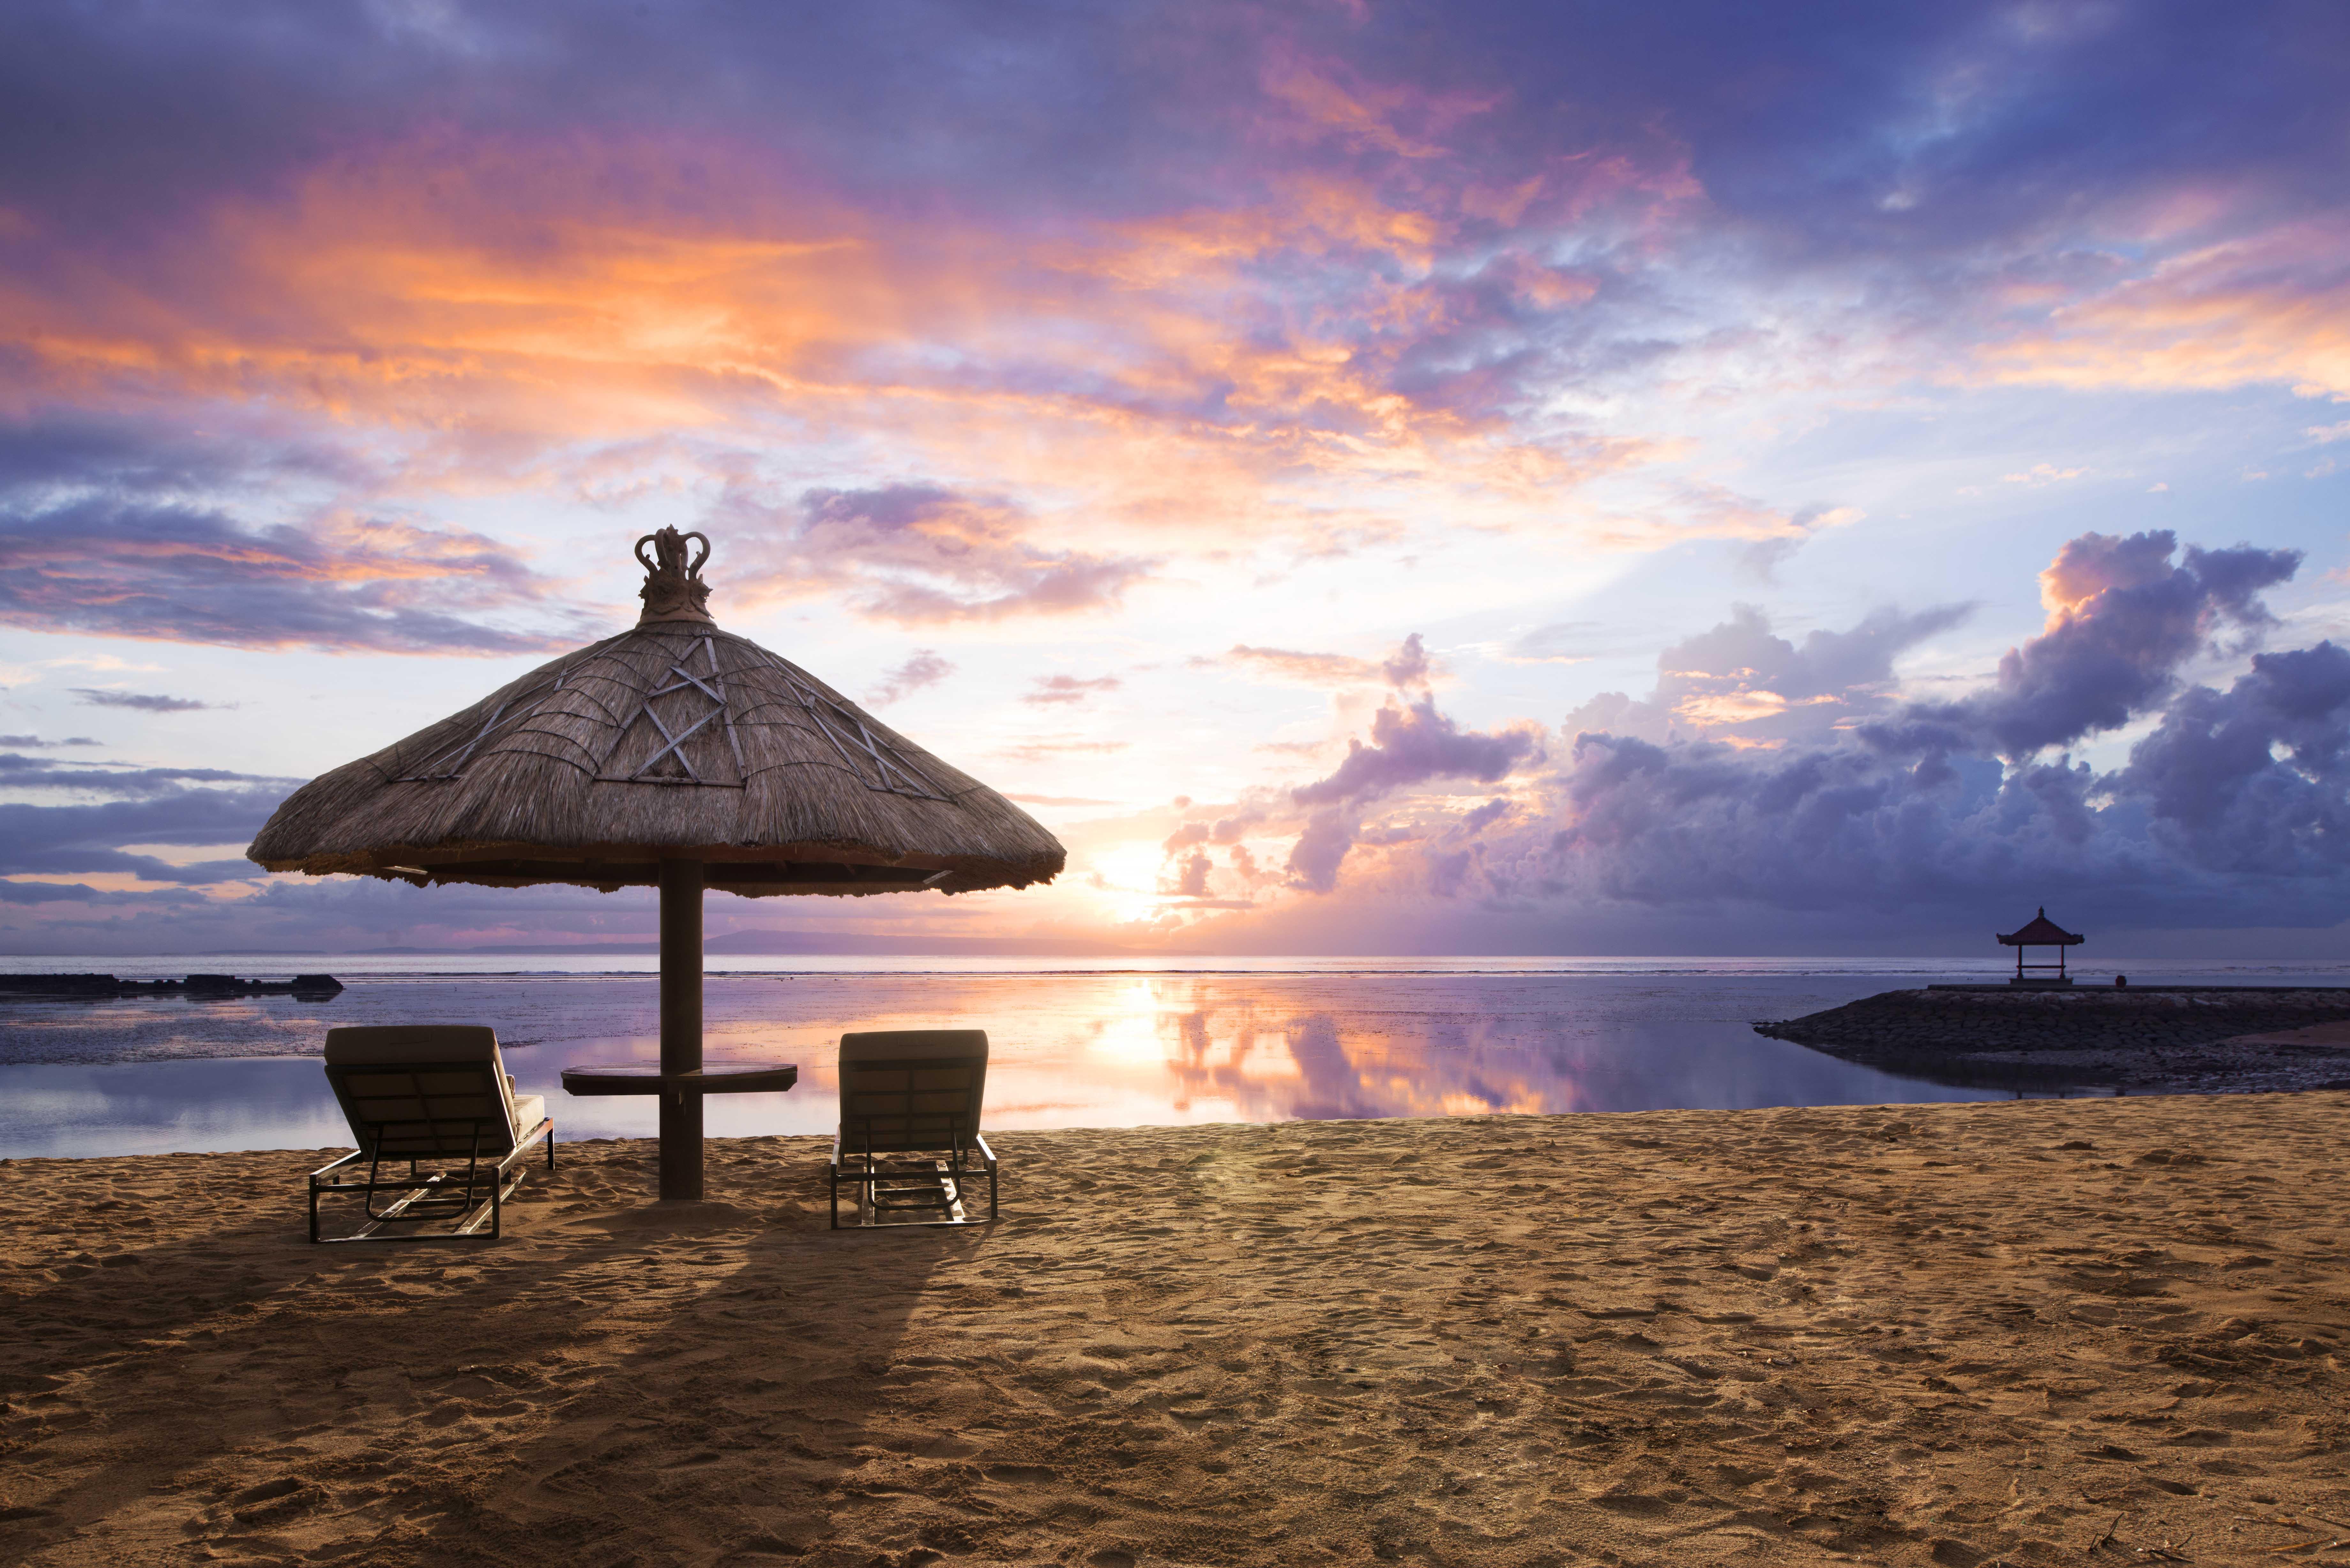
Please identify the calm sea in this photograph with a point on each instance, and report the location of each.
(1074, 1044)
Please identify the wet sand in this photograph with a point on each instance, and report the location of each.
(2033, 1332)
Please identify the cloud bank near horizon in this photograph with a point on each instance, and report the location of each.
(1765, 775)
(2229, 806)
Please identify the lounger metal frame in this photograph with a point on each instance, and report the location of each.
(436, 1195)
(917, 1180)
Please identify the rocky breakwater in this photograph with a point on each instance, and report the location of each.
(2140, 1040)
(195, 988)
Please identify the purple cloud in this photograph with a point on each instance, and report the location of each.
(1409, 665)
(197, 806)
(1414, 744)
(2235, 809)
(1921, 813)
(18, 772)
(2123, 619)
(1474, 206)
(1476, 821)
(1742, 678)
(1061, 688)
(112, 527)
(184, 575)
(162, 809)
(2255, 779)
(925, 668)
(1314, 859)
(142, 701)
(1410, 745)
(923, 554)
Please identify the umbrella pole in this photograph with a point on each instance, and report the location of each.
(681, 1025)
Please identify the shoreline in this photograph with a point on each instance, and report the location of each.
(1956, 1333)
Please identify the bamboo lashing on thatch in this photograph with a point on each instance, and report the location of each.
(673, 740)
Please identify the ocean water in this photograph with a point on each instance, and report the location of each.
(1173, 1042)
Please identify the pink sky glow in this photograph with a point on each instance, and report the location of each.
(1374, 478)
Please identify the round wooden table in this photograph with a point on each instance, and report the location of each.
(711, 1078)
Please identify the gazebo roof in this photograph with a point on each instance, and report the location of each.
(673, 739)
(2042, 933)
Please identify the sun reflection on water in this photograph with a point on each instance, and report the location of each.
(1066, 1050)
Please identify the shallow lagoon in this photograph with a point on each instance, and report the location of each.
(1100, 1048)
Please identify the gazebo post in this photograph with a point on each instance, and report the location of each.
(681, 1025)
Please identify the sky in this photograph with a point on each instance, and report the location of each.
(1371, 478)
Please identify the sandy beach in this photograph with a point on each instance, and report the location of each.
(2030, 1332)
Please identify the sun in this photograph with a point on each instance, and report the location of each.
(1126, 881)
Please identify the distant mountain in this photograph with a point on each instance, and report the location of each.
(509, 948)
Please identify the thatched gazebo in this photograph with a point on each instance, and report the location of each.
(674, 755)
(2040, 932)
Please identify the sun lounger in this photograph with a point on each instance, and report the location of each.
(909, 1137)
(429, 1096)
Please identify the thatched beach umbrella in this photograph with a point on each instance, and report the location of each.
(673, 755)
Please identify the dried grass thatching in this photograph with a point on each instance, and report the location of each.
(673, 740)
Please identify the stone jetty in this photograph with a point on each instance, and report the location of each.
(2138, 1040)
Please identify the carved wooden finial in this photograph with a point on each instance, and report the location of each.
(673, 590)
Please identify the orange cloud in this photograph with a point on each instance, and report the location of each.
(1699, 510)
(501, 313)
(2271, 307)
(1323, 99)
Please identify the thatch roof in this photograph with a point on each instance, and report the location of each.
(2042, 932)
(673, 740)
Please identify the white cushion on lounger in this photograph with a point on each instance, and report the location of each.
(894, 1111)
(393, 1045)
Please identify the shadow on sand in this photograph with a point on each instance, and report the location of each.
(616, 1380)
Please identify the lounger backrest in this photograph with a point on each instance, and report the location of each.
(415, 1090)
(903, 1090)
